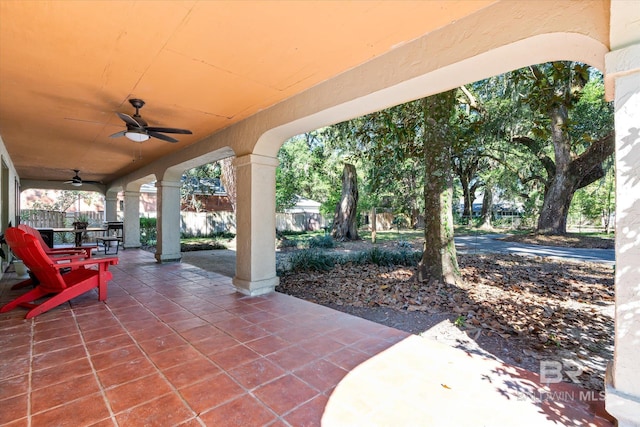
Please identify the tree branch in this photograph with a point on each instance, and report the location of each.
(473, 101)
(593, 156)
(548, 164)
(535, 70)
(594, 175)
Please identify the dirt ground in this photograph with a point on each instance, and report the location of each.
(520, 310)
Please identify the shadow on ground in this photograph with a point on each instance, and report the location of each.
(221, 261)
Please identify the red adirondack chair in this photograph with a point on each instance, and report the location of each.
(62, 287)
(85, 251)
(58, 255)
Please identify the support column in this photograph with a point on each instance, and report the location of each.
(111, 206)
(623, 374)
(131, 219)
(255, 224)
(168, 246)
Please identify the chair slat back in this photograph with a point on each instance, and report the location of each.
(28, 249)
(35, 233)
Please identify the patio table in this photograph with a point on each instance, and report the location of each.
(78, 232)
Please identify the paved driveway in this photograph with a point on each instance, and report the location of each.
(489, 243)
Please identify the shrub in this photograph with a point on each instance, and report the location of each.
(311, 260)
(403, 244)
(290, 232)
(326, 242)
(287, 243)
(202, 245)
(148, 231)
(386, 258)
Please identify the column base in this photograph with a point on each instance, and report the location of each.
(162, 258)
(255, 288)
(624, 407)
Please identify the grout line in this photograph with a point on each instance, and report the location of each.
(146, 355)
(224, 371)
(30, 384)
(93, 370)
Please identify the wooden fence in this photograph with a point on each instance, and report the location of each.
(191, 223)
(207, 223)
(305, 221)
(53, 219)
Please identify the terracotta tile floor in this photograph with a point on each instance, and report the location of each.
(176, 345)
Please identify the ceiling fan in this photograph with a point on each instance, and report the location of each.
(139, 131)
(76, 181)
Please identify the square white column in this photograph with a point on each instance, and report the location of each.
(168, 245)
(255, 224)
(623, 375)
(111, 206)
(131, 223)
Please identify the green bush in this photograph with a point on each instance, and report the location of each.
(385, 258)
(288, 243)
(403, 244)
(290, 232)
(318, 260)
(312, 260)
(201, 244)
(148, 233)
(326, 242)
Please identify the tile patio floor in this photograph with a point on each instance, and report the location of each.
(175, 345)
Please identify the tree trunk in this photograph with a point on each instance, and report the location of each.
(487, 208)
(344, 221)
(439, 261)
(228, 178)
(374, 225)
(555, 208)
(468, 198)
(570, 175)
(466, 174)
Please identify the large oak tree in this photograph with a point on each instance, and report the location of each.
(578, 150)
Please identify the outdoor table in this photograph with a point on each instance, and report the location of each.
(78, 232)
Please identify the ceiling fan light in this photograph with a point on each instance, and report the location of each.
(76, 183)
(136, 136)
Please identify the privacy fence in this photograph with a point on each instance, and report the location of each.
(53, 219)
(192, 224)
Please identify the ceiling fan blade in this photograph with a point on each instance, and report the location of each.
(168, 130)
(129, 120)
(118, 134)
(161, 136)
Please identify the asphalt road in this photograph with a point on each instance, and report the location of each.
(224, 261)
(487, 243)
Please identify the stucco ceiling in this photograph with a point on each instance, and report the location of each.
(67, 67)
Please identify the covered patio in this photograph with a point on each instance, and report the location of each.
(177, 345)
(244, 77)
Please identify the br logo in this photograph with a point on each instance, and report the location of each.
(551, 371)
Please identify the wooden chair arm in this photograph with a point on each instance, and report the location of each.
(73, 257)
(85, 262)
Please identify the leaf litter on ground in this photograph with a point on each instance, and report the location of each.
(525, 308)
